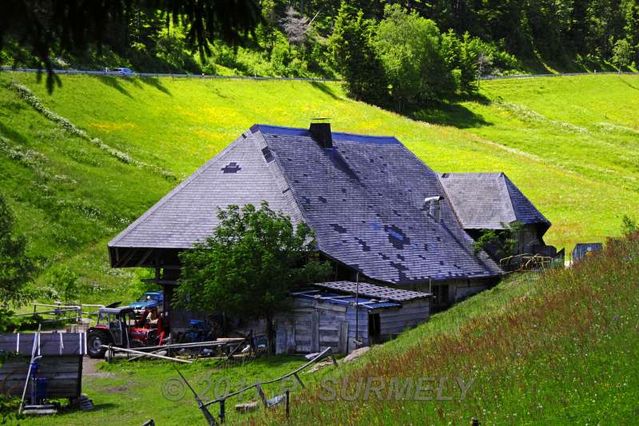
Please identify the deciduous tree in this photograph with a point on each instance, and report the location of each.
(248, 266)
(355, 58)
(409, 47)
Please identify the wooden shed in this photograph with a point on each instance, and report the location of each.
(345, 315)
(60, 363)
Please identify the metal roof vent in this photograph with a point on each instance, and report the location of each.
(433, 207)
(321, 131)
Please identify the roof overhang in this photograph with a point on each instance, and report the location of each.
(143, 257)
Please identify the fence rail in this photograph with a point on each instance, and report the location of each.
(167, 75)
(266, 78)
(204, 406)
(563, 74)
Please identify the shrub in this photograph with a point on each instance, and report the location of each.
(172, 50)
(471, 57)
(499, 244)
(623, 53)
(65, 283)
(8, 408)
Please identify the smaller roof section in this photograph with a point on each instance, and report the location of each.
(373, 291)
(489, 201)
(335, 298)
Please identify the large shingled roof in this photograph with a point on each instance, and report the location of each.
(489, 201)
(188, 214)
(363, 197)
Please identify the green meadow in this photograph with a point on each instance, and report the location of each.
(99, 151)
(560, 347)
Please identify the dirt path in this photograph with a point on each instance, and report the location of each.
(90, 368)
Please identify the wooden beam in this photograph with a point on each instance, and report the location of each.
(128, 257)
(145, 257)
(159, 281)
(152, 355)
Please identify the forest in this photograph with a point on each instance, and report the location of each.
(308, 38)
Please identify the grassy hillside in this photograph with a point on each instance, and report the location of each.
(571, 144)
(559, 348)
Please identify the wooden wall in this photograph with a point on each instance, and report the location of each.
(61, 362)
(313, 325)
(360, 326)
(463, 291)
(63, 374)
(394, 321)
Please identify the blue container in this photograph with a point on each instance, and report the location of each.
(197, 324)
(38, 390)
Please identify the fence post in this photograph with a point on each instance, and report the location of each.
(288, 398)
(222, 411)
(299, 380)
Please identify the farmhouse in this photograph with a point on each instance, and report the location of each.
(379, 213)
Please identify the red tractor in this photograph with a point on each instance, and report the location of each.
(121, 327)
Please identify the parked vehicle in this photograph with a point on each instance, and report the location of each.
(149, 300)
(126, 72)
(198, 331)
(120, 327)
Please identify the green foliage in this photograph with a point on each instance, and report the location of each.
(623, 54)
(472, 57)
(7, 320)
(9, 408)
(16, 267)
(290, 39)
(487, 239)
(70, 26)
(248, 266)
(12, 323)
(628, 226)
(356, 60)
(172, 50)
(499, 244)
(410, 49)
(407, 56)
(65, 283)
